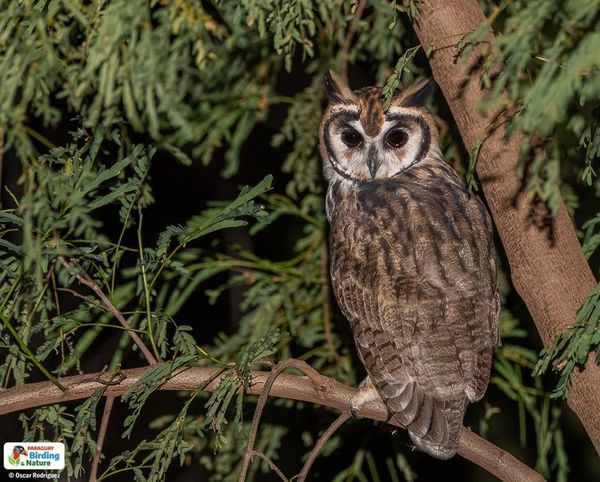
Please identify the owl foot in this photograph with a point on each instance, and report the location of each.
(366, 393)
(386, 421)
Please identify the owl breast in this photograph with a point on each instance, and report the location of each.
(413, 270)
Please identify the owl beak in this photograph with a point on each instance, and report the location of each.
(373, 163)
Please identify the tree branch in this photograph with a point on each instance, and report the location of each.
(345, 52)
(262, 400)
(337, 423)
(101, 435)
(551, 275)
(316, 389)
(84, 279)
(274, 467)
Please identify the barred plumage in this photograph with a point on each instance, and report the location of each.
(412, 262)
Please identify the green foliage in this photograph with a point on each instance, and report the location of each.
(547, 53)
(301, 127)
(532, 401)
(56, 216)
(151, 459)
(470, 174)
(198, 82)
(363, 468)
(572, 347)
(514, 364)
(85, 425)
(394, 81)
(56, 423)
(288, 23)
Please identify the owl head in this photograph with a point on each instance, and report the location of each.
(362, 142)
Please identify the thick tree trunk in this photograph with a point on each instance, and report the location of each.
(552, 277)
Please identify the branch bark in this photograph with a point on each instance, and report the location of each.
(314, 389)
(552, 276)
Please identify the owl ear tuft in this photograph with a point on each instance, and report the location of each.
(416, 95)
(336, 88)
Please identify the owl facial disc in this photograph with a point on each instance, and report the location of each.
(361, 142)
(402, 140)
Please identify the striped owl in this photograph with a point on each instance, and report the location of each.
(412, 261)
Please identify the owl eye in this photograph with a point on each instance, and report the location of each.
(396, 138)
(351, 138)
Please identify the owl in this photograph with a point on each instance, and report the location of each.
(412, 261)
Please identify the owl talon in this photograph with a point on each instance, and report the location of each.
(366, 393)
(390, 415)
(386, 421)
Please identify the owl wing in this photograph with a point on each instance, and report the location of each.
(409, 391)
(417, 284)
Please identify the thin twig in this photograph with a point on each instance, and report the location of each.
(101, 435)
(345, 52)
(274, 467)
(76, 294)
(262, 400)
(315, 388)
(145, 283)
(314, 453)
(84, 279)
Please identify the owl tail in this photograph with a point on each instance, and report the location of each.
(440, 439)
(433, 425)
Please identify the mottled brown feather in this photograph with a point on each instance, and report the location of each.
(413, 270)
